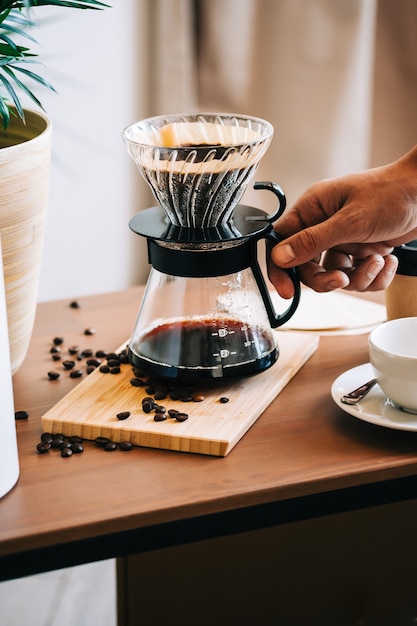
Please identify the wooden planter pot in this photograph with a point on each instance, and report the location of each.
(24, 185)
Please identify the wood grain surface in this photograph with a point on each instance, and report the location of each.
(302, 445)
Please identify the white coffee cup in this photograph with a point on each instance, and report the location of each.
(393, 356)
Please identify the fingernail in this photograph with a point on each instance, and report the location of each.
(337, 284)
(284, 254)
(374, 269)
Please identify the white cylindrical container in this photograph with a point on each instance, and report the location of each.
(9, 462)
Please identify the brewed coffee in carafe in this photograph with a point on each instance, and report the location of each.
(206, 314)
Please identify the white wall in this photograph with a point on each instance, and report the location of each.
(97, 62)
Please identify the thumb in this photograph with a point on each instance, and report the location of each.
(307, 244)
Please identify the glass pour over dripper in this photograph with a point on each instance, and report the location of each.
(198, 166)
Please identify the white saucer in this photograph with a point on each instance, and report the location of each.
(375, 408)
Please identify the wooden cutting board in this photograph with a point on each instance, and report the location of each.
(89, 410)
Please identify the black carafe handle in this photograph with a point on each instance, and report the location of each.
(272, 238)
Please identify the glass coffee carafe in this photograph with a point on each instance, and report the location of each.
(206, 314)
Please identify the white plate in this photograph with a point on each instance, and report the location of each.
(334, 312)
(375, 408)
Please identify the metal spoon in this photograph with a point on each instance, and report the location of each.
(354, 396)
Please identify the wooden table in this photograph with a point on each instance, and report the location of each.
(304, 458)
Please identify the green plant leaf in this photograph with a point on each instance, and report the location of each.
(15, 21)
(9, 88)
(35, 77)
(4, 113)
(22, 86)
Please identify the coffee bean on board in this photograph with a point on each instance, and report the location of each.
(181, 417)
(123, 415)
(137, 382)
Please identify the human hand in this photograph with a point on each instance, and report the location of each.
(341, 232)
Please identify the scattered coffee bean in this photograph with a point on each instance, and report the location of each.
(77, 448)
(76, 374)
(75, 439)
(105, 369)
(58, 341)
(101, 354)
(110, 446)
(21, 415)
(65, 444)
(101, 441)
(90, 369)
(55, 350)
(115, 369)
(87, 353)
(160, 395)
(68, 365)
(57, 441)
(147, 406)
(173, 412)
(90, 331)
(123, 415)
(137, 382)
(53, 375)
(43, 446)
(125, 446)
(160, 417)
(224, 400)
(74, 350)
(113, 362)
(56, 357)
(74, 304)
(93, 362)
(181, 417)
(198, 398)
(46, 437)
(66, 453)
